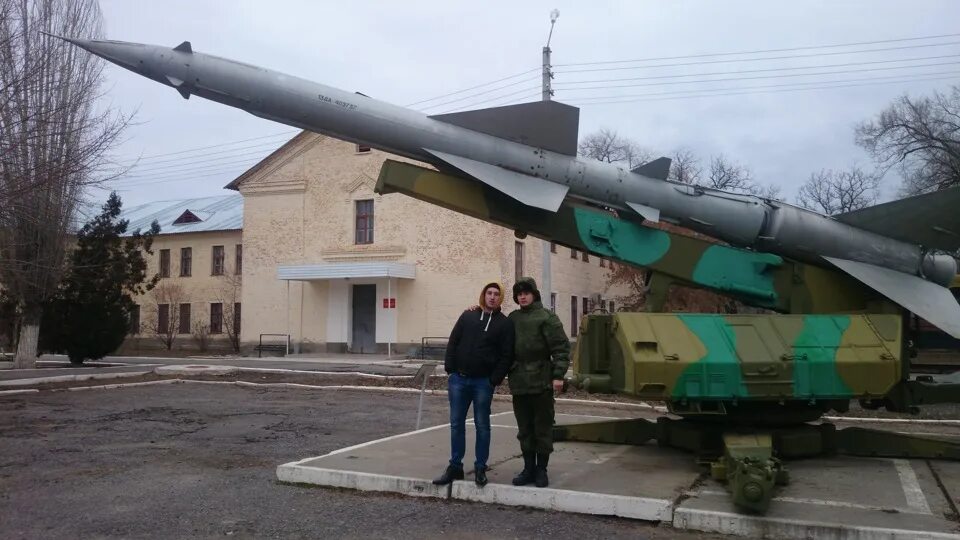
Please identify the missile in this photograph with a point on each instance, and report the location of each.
(528, 152)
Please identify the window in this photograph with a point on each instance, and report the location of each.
(362, 149)
(603, 305)
(186, 262)
(573, 253)
(518, 259)
(584, 256)
(364, 222)
(238, 264)
(586, 305)
(217, 261)
(553, 247)
(574, 311)
(135, 319)
(236, 319)
(603, 262)
(216, 318)
(612, 310)
(553, 302)
(184, 319)
(163, 318)
(164, 263)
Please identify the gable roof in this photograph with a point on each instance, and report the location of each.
(296, 139)
(220, 213)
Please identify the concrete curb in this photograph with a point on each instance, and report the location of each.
(764, 527)
(121, 385)
(71, 378)
(566, 501)
(414, 487)
(15, 392)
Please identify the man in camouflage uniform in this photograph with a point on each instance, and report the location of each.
(541, 357)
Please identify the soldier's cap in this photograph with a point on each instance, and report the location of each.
(525, 284)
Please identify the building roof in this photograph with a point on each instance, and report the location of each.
(220, 213)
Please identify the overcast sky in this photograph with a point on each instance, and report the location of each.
(406, 52)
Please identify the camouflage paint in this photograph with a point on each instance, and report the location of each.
(750, 358)
(815, 357)
(717, 374)
(614, 238)
(736, 271)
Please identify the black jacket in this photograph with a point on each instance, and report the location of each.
(481, 345)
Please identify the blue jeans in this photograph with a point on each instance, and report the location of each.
(462, 391)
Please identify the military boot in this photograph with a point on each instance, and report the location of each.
(452, 473)
(526, 476)
(540, 475)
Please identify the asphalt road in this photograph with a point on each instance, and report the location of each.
(191, 461)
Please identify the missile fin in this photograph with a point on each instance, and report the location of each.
(549, 125)
(529, 190)
(178, 84)
(648, 213)
(931, 219)
(658, 168)
(928, 300)
(184, 47)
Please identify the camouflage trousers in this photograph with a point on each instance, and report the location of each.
(534, 413)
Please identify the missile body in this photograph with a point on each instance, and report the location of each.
(542, 176)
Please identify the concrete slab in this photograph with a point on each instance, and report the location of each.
(846, 497)
(841, 497)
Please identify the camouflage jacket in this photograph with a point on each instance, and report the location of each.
(541, 350)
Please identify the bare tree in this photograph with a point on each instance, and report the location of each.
(53, 145)
(728, 175)
(229, 297)
(921, 136)
(836, 192)
(634, 282)
(170, 295)
(201, 335)
(685, 167)
(607, 145)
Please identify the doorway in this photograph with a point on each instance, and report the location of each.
(364, 319)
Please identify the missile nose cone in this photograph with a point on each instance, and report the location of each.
(132, 56)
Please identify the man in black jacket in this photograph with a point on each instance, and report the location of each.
(479, 355)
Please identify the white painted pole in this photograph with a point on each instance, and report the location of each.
(393, 321)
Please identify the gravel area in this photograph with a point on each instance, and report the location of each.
(198, 461)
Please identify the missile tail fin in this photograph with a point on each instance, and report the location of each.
(184, 47)
(544, 124)
(529, 190)
(648, 213)
(930, 219)
(178, 84)
(928, 300)
(658, 168)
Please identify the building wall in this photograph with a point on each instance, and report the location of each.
(200, 289)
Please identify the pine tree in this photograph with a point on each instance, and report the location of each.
(90, 315)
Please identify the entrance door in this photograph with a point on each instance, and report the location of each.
(364, 319)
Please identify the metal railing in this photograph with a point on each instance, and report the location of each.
(285, 346)
(433, 347)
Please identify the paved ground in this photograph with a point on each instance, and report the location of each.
(191, 461)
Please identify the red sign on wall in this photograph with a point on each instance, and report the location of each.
(389, 303)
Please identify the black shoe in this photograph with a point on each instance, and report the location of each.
(452, 473)
(540, 477)
(527, 474)
(480, 477)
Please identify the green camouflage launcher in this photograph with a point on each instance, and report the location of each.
(745, 386)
